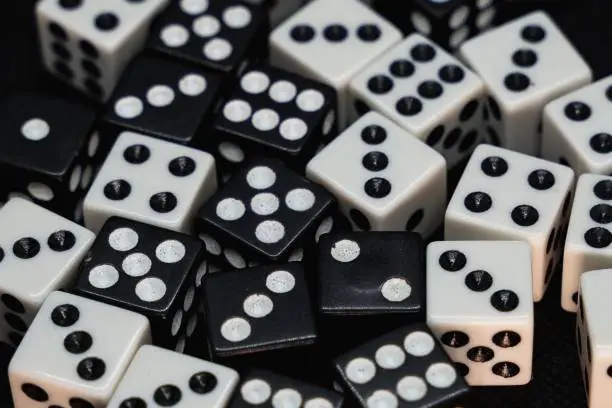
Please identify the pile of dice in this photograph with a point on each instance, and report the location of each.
(248, 215)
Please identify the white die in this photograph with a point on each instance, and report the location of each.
(481, 308)
(529, 201)
(588, 243)
(196, 382)
(89, 43)
(332, 62)
(149, 180)
(594, 336)
(549, 67)
(403, 186)
(85, 349)
(39, 253)
(576, 129)
(427, 92)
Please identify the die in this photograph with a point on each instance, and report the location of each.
(165, 99)
(266, 213)
(449, 23)
(373, 279)
(504, 195)
(481, 310)
(332, 42)
(593, 336)
(129, 182)
(86, 349)
(268, 389)
(184, 379)
(587, 244)
(427, 92)
(404, 368)
(88, 45)
(39, 253)
(148, 270)
(219, 35)
(266, 321)
(393, 181)
(575, 130)
(525, 64)
(50, 150)
(275, 113)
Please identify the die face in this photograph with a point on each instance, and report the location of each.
(141, 267)
(43, 134)
(87, 348)
(371, 273)
(267, 388)
(265, 209)
(269, 310)
(376, 191)
(39, 252)
(588, 238)
(481, 309)
(187, 379)
(219, 35)
(579, 121)
(427, 92)
(294, 114)
(406, 367)
(165, 99)
(150, 180)
(517, 96)
(557, 62)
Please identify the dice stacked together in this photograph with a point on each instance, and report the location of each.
(253, 213)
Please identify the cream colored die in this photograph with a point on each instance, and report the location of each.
(506, 195)
(479, 305)
(594, 336)
(384, 178)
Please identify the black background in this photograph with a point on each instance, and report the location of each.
(557, 381)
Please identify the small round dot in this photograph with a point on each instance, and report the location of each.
(103, 276)
(368, 32)
(533, 33)
(237, 17)
(129, 107)
(310, 100)
(396, 290)
(345, 250)
(441, 375)
(577, 111)
(287, 398)
(230, 209)
(270, 231)
(218, 49)
(160, 96)
(193, 7)
(136, 264)
(360, 370)
(231, 152)
(255, 391)
(206, 26)
(300, 199)
(170, 251)
(123, 239)
(382, 399)
(282, 91)
(390, 356)
(257, 306)
(293, 129)
(261, 177)
(150, 289)
(280, 282)
(255, 82)
(411, 388)
(517, 82)
(265, 204)
(419, 344)
(174, 35)
(423, 52)
(302, 33)
(265, 120)
(335, 33)
(192, 85)
(35, 129)
(235, 329)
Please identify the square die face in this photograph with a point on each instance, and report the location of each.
(334, 40)
(375, 187)
(371, 272)
(107, 26)
(42, 133)
(292, 112)
(420, 86)
(588, 231)
(407, 368)
(580, 120)
(210, 33)
(39, 253)
(88, 346)
(150, 180)
(481, 309)
(532, 41)
(511, 193)
(270, 309)
(140, 266)
(163, 98)
(266, 208)
(194, 382)
(270, 389)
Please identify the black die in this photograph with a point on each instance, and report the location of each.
(169, 100)
(265, 213)
(260, 311)
(221, 35)
(267, 390)
(405, 368)
(49, 147)
(275, 113)
(148, 270)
